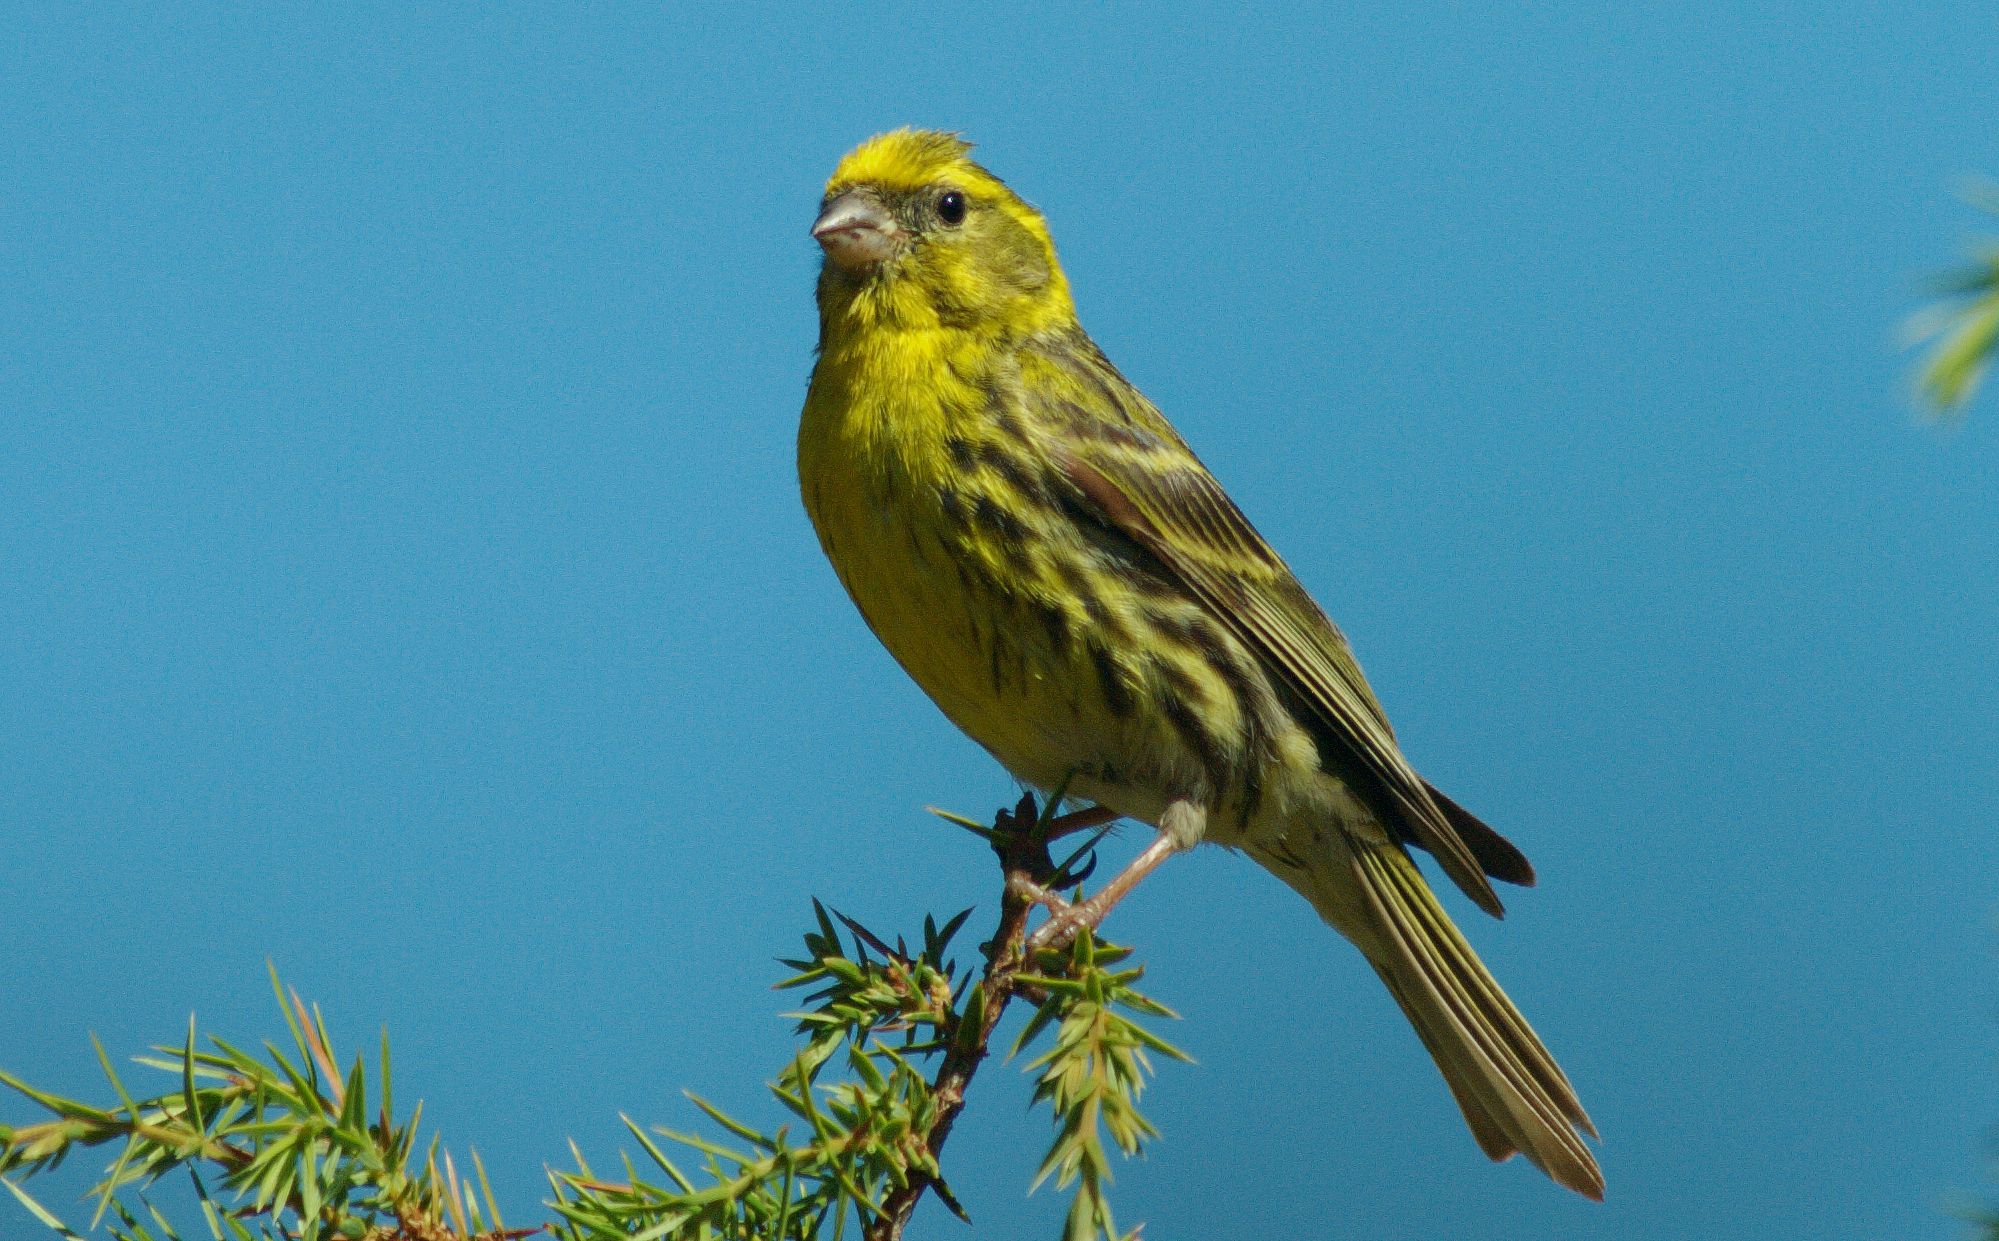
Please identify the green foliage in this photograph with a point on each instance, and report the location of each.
(890, 1038)
(1963, 324)
(292, 1144)
(1093, 1072)
(881, 1014)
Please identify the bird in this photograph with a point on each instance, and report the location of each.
(1045, 556)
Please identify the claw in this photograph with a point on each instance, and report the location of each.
(1068, 877)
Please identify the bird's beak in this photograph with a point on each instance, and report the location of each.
(855, 231)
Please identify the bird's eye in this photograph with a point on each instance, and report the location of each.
(951, 208)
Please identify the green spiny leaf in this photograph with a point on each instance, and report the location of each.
(40, 1212)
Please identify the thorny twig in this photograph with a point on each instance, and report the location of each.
(1020, 837)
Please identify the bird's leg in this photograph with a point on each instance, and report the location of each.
(1181, 827)
(1070, 917)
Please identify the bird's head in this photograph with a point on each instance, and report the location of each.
(917, 235)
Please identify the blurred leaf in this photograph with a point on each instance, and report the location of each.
(1962, 328)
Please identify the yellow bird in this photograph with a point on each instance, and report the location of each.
(1040, 550)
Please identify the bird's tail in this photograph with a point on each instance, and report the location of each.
(1513, 1095)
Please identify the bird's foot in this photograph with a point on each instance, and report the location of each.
(1179, 828)
(1038, 894)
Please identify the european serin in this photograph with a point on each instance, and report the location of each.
(1038, 548)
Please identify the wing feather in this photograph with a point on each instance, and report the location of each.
(1162, 498)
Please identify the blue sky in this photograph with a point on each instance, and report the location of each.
(406, 580)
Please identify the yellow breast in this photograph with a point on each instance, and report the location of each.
(950, 570)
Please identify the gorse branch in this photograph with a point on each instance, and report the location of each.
(891, 1037)
(293, 1145)
(1092, 1073)
(877, 1011)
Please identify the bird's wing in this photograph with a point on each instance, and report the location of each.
(1142, 480)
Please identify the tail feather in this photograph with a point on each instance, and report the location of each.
(1513, 1095)
(1463, 964)
(1496, 855)
(1490, 1139)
